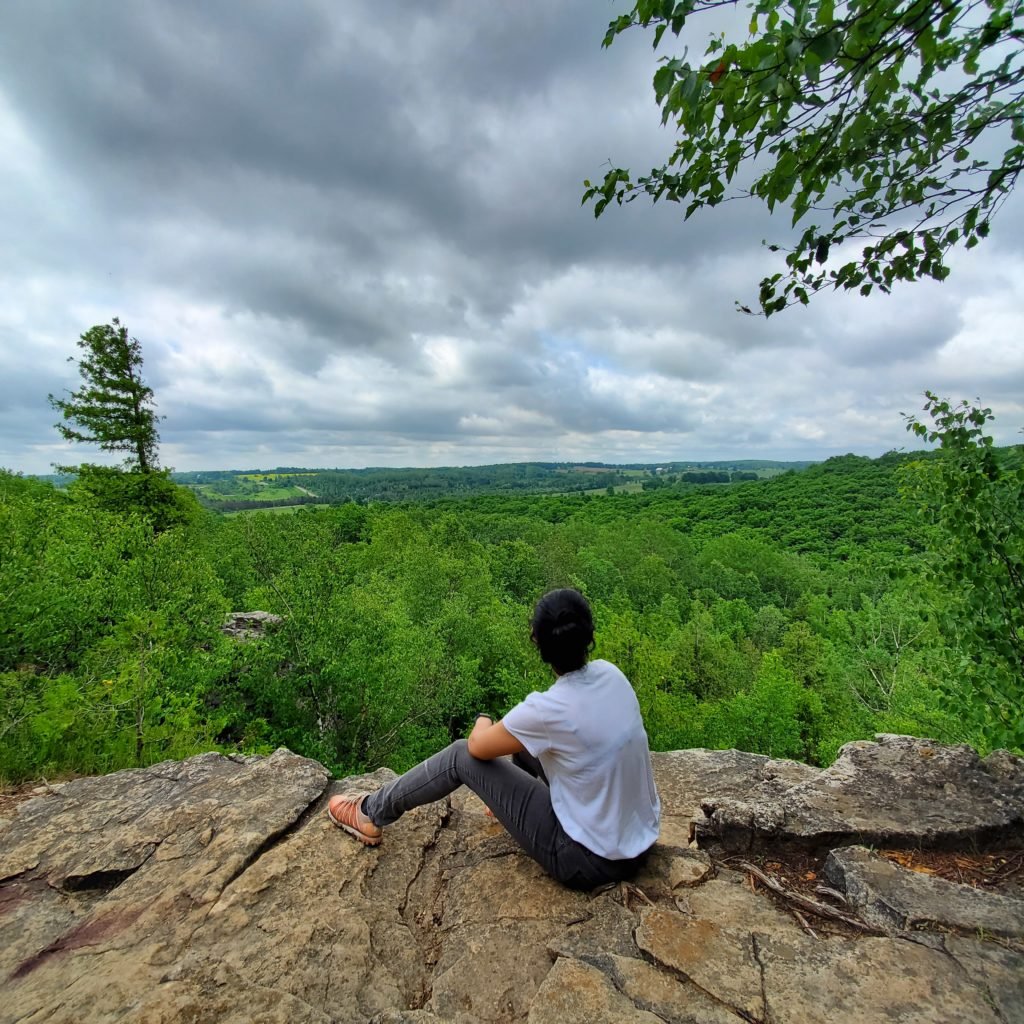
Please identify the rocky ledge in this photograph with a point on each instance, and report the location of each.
(214, 890)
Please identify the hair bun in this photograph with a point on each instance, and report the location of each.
(563, 629)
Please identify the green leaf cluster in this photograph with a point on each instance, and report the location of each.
(872, 121)
(108, 637)
(972, 495)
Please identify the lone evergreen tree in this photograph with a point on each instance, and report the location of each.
(114, 407)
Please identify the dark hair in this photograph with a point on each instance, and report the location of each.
(563, 629)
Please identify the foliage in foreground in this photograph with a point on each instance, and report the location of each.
(784, 617)
(896, 127)
(974, 501)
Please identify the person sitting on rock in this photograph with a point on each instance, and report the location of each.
(578, 794)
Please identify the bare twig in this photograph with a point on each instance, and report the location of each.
(834, 893)
(46, 783)
(633, 890)
(803, 923)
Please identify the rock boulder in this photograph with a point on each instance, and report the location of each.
(897, 791)
(894, 898)
(249, 625)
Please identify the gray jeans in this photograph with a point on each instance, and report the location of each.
(517, 792)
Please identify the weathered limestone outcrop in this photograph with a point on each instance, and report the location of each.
(214, 890)
(898, 791)
(249, 625)
(897, 900)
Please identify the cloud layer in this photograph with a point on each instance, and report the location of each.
(350, 234)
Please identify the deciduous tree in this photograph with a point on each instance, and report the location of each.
(974, 498)
(893, 130)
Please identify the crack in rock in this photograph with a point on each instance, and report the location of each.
(428, 845)
(274, 839)
(980, 982)
(756, 950)
(682, 976)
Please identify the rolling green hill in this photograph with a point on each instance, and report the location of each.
(251, 489)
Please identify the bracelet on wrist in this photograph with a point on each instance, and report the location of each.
(483, 714)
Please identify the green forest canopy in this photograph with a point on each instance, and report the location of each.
(784, 616)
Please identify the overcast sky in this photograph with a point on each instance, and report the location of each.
(350, 234)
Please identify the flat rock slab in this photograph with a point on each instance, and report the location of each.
(895, 898)
(897, 791)
(751, 958)
(996, 970)
(685, 778)
(575, 993)
(215, 891)
(105, 880)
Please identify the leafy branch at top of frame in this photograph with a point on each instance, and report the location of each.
(838, 109)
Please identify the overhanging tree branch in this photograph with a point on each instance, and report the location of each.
(849, 100)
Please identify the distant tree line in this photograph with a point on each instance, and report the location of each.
(240, 490)
(706, 476)
(242, 505)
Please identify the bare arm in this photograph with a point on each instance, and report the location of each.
(489, 740)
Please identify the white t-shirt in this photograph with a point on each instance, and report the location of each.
(588, 735)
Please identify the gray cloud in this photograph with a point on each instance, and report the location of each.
(351, 234)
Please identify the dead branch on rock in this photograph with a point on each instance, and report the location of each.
(825, 890)
(628, 890)
(803, 923)
(805, 902)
